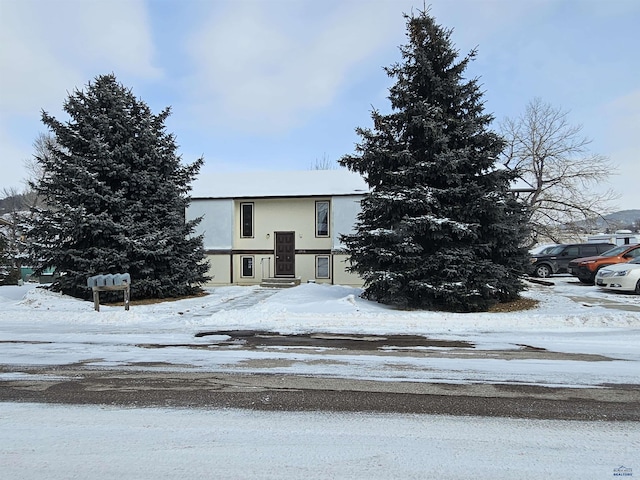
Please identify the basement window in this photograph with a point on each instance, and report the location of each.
(322, 266)
(247, 266)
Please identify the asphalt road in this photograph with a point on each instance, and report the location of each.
(156, 387)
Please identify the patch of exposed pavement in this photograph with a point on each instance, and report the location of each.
(386, 345)
(606, 303)
(144, 387)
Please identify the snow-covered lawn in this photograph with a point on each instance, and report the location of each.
(38, 327)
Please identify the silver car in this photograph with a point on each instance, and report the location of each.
(624, 277)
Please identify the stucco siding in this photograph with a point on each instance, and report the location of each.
(280, 215)
(219, 270)
(216, 222)
(234, 259)
(340, 274)
(345, 211)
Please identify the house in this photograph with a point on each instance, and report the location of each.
(267, 227)
(275, 228)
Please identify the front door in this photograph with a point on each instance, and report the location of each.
(285, 254)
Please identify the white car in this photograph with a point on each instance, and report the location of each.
(621, 276)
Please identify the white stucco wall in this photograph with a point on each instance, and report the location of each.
(216, 224)
(345, 211)
(272, 215)
(219, 270)
(340, 274)
(220, 227)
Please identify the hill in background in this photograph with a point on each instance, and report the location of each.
(622, 220)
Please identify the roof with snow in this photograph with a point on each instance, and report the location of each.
(303, 183)
(300, 183)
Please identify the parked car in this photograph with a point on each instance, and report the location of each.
(542, 249)
(557, 260)
(586, 268)
(624, 277)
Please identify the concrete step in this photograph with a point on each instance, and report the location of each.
(280, 282)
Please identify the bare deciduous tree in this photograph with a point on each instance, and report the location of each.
(553, 158)
(43, 146)
(324, 164)
(15, 207)
(12, 205)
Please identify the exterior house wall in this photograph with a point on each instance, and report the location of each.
(278, 203)
(345, 211)
(219, 269)
(228, 252)
(280, 215)
(340, 274)
(217, 218)
(271, 215)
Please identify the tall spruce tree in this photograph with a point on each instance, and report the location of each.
(440, 228)
(115, 193)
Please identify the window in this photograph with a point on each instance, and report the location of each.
(247, 266)
(246, 220)
(322, 219)
(322, 266)
(573, 251)
(589, 251)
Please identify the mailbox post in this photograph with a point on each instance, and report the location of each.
(109, 283)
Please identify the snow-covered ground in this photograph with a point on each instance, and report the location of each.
(61, 442)
(38, 327)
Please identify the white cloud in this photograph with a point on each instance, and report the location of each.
(52, 47)
(264, 65)
(622, 117)
(476, 23)
(625, 181)
(12, 156)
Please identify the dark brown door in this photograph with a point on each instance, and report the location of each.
(285, 254)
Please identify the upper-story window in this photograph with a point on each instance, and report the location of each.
(246, 220)
(322, 218)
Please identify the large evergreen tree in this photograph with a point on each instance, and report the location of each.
(115, 193)
(440, 228)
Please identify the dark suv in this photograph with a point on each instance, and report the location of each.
(557, 260)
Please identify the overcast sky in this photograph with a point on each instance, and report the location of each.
(282, 84)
